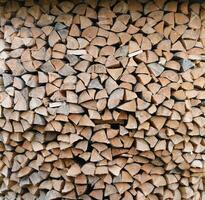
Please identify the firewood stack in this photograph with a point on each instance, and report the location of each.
(102, 100)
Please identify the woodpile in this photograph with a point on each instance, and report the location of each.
(102, 100)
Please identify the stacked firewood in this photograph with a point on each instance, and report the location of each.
(102, 100)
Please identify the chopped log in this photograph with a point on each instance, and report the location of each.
(76, 52)
(158, 122)
(118, 26)
(45, 20)
(187, 64)
(146, 188)
(129, 106)
(74, 170)
(142, 145)
(90, 33)
(15, 66)
(155, 68)
(85, 121)
(20, 102)
(171, 75)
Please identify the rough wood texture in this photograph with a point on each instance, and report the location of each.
(102, 100)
